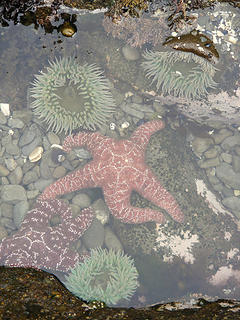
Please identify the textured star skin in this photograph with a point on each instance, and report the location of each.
(118, 167)
(36, 244)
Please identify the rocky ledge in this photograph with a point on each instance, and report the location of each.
(28, 293)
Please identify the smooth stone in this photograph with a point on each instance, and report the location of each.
(28, 166)
(59, 172)
(221, 135)
(53, 138)
(226, 174)
(19, 212)
(232, 203)
(46, 166)
(94, 236)
(130, 53)
(3, 118)
(24, 115)
(16, 176)
(4, 172)
(208, 163)
(10, 163)
(26, 150)
(236, 163)
(213, 179)
(6, 140)
(41, 184)
(82, 153)
(15, 123)
(75, 209)
(159, 108)
(28, 135)
(30, 177)
(227, 157)
(131, 111)
(32, 194)
(13, 193)
(200, 145)
(8, 223)
(141, 107)
(101, 211)
(137, 99)
(211, 153)
(82, 200)
(231, 142)
(218, 187)
(12, 149)
(111, 241)
(3, 232)
(237, 150)
(6, 210)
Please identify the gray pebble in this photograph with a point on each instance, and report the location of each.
(94, 236)
(12, 149)
(101, 210)
(28, 135)
(130, 53)
(53, 138)
(236, 163)
(10, 163)
(128, 108)
(13, 193)
(41, 184)
(82, 200)
(3, 232)
(211, 153)
(226, 174)
(227, 157)
(4, 172)
(232, 203)
(15, 123)
(26, 150)
(59, 172)
(111, 241)
(208, 163)
(8, 223)
(6, 210)
(16, 175)
(29, 177)
(200, 145)
(231, 142)
(221, 135)
(19, 212)
(3, 118)
(32, 194)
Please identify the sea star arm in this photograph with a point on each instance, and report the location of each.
(92, 141)
(63, 261)
(152, 190)
(80, 178)
(120, 206)
(44, 246)
(143, 133)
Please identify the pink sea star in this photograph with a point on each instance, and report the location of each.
(118, 167)
(36, 244)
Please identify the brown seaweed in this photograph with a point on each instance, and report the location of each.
(196, 43)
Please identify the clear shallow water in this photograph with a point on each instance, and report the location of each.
(196, 161)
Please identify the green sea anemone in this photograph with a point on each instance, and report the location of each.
(69, 95)
(107, 276)
(182, 74)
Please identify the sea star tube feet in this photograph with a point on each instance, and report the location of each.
(36, 244)
(118, 167)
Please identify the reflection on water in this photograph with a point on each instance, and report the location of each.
(158, 182)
